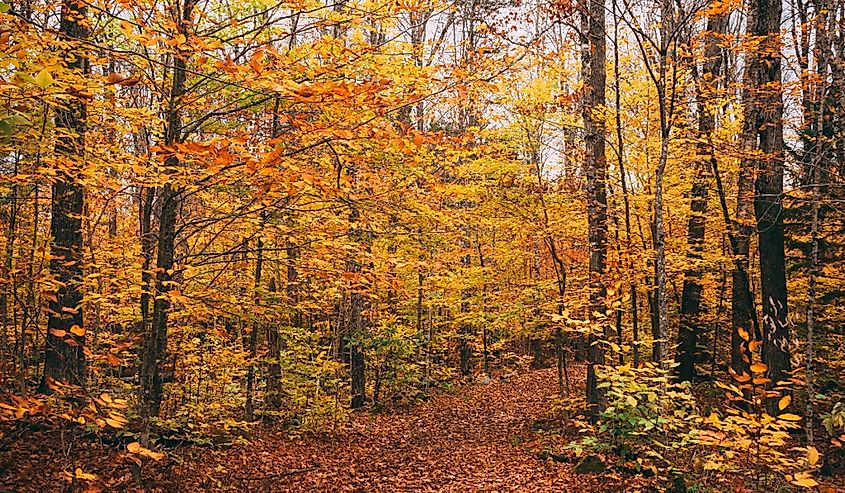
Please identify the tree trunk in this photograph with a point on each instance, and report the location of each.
(64, 359)
(811, 303)
(256, 325)
(274, 347)
(595, 164)
(8, 262)
(465, 349)
(742, 300)
(765, 68)
(691, 326)
(623, 178)
(666, 88)
(743, 315)
(660, 301)
(155, 344)
(356, 321)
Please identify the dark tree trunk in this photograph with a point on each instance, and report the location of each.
(249, 410)
(464, 349)
(274, 337)
(156, 349)
(155, 344)
(484, 332)
(356, 350)
(743, 314)
(292, 285)
(146, 198)
(356, 321)
(274, 346)
(64, 359)
(690, 327)
(765, 68)
(595, 163)
(623, 179)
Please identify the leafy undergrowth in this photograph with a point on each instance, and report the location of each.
(496, 437)
(480, 438)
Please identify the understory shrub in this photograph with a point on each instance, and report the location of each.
(652, 425)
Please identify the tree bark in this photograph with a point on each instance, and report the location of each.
(64, 359)
(743, 314)
(249, 410)
(274, 348)
(357, 363)
(691, 326)
(595, 163)
(765, 72)
(623, 178)
(155, 345)
(464, 348)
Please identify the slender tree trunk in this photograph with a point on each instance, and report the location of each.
(464, 348)
(146, 198)
(356, 320)
(765, 70)
(292, 286)
(742, 301)
(155, 345)
(623, 178)
(595, 163)
(666, 93)
(256, 326)
(817, 172)
(560, 274)
(720, 310)
(8, 263)
(743, 314)
(620, 163)
(484, 332)
(64, 359)
(691, 326)
(662, 333)
(811, 305)
(274, 348)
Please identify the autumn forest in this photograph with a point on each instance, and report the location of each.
(422, 245)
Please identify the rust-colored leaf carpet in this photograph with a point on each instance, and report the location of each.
(479, 438)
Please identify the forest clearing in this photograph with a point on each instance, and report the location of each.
(422, 245)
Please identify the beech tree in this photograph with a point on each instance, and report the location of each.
(285, 216)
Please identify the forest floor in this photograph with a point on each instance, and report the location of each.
(478, 438)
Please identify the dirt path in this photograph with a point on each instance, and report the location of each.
(479, 439)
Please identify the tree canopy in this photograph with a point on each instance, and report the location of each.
(223, 217)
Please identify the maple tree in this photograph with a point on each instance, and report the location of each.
(226, 220)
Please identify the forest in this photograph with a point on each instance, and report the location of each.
(422, 245)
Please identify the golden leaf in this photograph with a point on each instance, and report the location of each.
(152, 455)
(812, 456)
(805, 482)
(84, 475)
